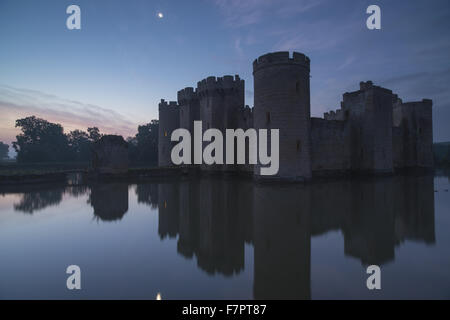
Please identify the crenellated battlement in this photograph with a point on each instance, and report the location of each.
(186, 94)
(365, 85)
(334, 115)
(368, 85)
(223, 84)
(279, 58)
(423, 103)
(167, 105)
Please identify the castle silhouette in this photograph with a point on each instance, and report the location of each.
(373, 132)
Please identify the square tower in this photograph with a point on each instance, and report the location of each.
(369, 112)
(415, 123)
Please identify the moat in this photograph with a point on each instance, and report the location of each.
(227, 238)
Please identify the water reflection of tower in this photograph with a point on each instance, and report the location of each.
(221, 241)
(369, 226)
(147, 193)
(384, 213)
(414, 219)
(212, 218)
(330, 205)
(109, 200)
(189, 215)
(168, 209)
(282, 242)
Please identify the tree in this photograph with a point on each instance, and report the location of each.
(80, 145)
(133, 152)
(143, 147)
(94, 134)
(40, 141)
(4, 148)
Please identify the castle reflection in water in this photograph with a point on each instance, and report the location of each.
(214, 218)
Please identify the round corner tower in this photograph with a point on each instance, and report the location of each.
(282, 101)
(220, 99)
(189, 106)
(169, 120)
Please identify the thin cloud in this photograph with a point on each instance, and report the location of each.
(310, 36)
(240, 13)
(348, 62)
(297, 7)
(16, 103)
(238, 47)
(405, 78)
(425, 84)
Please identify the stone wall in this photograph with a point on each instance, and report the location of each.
(330, 141)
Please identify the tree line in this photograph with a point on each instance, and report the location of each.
(44, 141)
(4, 148)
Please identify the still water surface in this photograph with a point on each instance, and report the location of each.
(227, 239)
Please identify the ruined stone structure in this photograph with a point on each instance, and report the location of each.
(373, 132)
(110, 155)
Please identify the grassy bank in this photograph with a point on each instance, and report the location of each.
(24, 173)
(8, 169)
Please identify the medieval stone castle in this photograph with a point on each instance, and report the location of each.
(373, 131)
